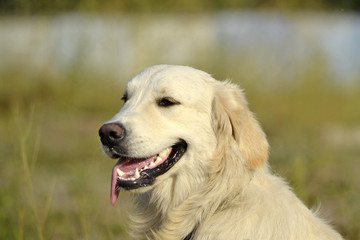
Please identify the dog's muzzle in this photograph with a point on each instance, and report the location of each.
(131, 172)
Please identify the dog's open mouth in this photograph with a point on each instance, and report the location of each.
(131, 173)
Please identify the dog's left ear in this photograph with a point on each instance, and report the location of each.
(231, 116)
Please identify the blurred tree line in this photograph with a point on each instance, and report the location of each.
(57, 6)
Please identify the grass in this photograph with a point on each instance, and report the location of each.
(55, 179)
(27, 169)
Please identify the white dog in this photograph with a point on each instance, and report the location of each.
(195, 160)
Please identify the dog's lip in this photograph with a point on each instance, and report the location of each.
(132, 172)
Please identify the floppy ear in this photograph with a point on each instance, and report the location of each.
(232, 118)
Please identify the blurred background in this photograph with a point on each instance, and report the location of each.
(63, 66)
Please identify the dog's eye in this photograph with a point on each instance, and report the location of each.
(167, 102)
(124, 97)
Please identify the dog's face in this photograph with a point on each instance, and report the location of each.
(164, 127)
(179, 122)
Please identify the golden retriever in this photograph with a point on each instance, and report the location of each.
(195, 160)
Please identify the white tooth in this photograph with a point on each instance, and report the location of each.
(152, 164)
(158, 159)
(164, 153)
(146, 167)
(120, 173)
(137, 173)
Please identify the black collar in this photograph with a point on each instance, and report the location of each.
(190, 235)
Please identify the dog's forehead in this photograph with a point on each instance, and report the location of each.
(170, 79)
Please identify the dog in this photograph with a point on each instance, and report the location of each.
(195, 161)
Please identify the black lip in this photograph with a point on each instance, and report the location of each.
(148, 176)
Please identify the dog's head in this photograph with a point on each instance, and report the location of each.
(173, 120)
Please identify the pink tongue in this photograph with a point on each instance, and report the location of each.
(113, 193)
(125, 165)
(128, 165)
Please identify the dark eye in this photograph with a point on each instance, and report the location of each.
(167, 102)
(125, 97)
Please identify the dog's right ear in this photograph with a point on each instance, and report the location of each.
(231, 118)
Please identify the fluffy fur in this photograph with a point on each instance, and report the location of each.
(222, 187)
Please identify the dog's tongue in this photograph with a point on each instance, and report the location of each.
(113, 193)
(127, 165)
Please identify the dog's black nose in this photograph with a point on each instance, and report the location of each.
(111, 134)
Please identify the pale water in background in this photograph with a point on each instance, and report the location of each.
(277, 43)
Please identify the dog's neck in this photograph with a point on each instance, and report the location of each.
(151, 207)
(173, 191)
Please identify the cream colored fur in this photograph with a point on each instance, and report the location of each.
(222, 187)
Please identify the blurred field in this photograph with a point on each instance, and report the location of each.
(55, 179)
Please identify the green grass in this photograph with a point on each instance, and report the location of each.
(56, 181)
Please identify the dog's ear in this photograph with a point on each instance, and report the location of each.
(231, 117)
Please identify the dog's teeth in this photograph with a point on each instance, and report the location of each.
(146, 167)
(137, 173)
(120, 173)
(152, 164)
(164, 153)
(158, 159)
